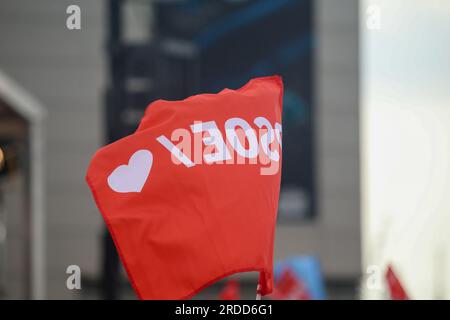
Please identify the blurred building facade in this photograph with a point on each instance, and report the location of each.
(66, 70)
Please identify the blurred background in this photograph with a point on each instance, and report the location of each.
(364, 205)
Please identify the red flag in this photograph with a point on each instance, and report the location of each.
(289, 287)
(395, 287)
(192, 196)
(230, 291)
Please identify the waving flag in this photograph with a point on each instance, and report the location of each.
(290, 287)
(192, 196)
(396, 290)
(306, 271)
(231, 291)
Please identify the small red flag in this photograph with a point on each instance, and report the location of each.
(192, 196)
(289, 287)
(231, 291)
(395, 287)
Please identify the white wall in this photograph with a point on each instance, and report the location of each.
(405, 144)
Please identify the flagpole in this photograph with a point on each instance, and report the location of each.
(258, 292)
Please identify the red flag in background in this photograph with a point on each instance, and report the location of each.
(231, 291)
(395, 287)
(289, 287)
(182, 219)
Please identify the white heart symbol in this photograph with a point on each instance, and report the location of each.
(132, 177)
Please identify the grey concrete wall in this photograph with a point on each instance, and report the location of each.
(64, 70)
